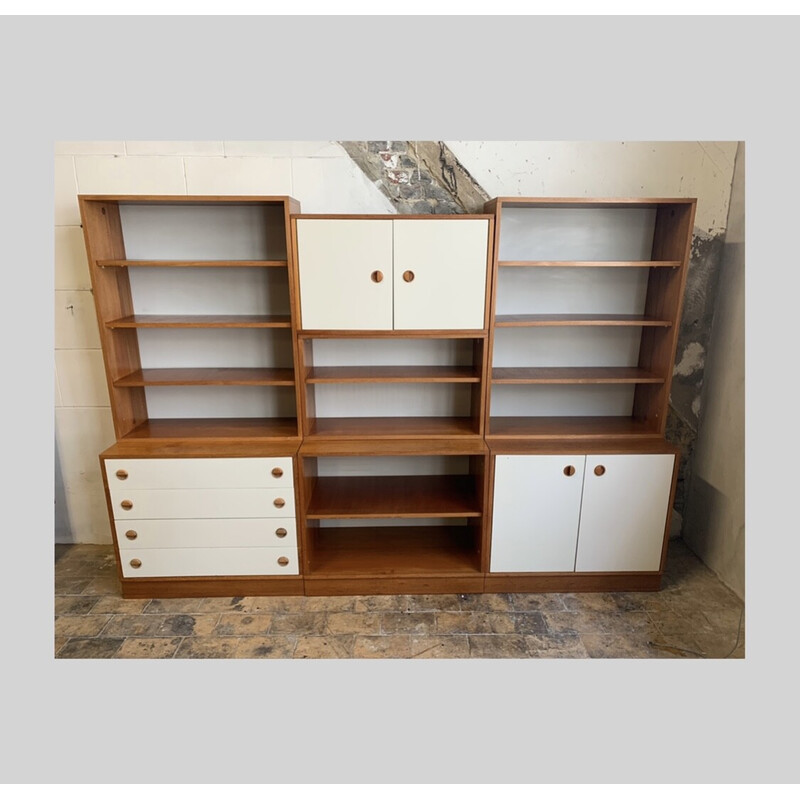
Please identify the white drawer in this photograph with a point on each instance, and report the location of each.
(202, 503)
(161, 533)
(189, 561)
(198, 473)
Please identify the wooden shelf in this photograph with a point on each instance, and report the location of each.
(202, 321)
(588, 264)
(569, 427)
(392, 427)
(126, 262)
(392, 375)
(207, 376)
(546, 320)
(393, 497)
(393, 551)
(215, 428)
(579, 375)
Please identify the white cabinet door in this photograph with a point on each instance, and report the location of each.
(440, 273)
(537, 502)
(624, 512)
(345, 269)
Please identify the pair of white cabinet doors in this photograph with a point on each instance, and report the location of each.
(580, 513)
(392, 274)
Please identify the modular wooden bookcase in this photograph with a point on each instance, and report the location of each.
(351, 404)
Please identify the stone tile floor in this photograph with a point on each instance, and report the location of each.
(693, 616)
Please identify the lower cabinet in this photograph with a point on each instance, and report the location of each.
(580, 513)
(201, 517)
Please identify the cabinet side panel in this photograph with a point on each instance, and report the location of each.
(112, 296)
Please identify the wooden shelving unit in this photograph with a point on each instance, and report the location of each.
(146, 267)
(558, 268)
(379, 404)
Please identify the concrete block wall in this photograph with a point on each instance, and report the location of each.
(325, 179)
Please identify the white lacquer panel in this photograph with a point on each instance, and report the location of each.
(202, 503)
(185, 562)
(536, 513)
(336, 259)
(624, 512)
(448, 258)
(166, 533)
(197, 473)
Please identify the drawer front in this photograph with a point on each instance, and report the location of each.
(198, 473)
(202, 503)
(197, 561)
(202, 533)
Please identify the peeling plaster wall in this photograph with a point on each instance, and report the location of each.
(714, 518)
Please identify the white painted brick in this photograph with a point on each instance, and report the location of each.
(71, 266)
(130, 174)
(90, 148)
(254, 176)
(175, 148)
(81, 378)
(57, 401)
(335, 186)
(81, 435)
(66, 191)
(286, 149)
(75, 320)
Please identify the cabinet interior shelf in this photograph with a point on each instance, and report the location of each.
(414, 550)
(374, 374)
(224, 263)
(392, 427)
(214, 428)
(578, 320)
(208, 376)
(202, 321)
(584, 264)
(592, 375)
(393, 497)
(570, 427)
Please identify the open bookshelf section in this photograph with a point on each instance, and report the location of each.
(393, 387)
(194, 304)
(407, 512)
(586, 304)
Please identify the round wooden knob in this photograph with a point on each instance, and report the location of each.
(281, 532)
(408, 276)
(127, 505)
(279, 502)
(599, 470)
(131, 535)
(135, 563)
(377, 276)
(121, 474)
(283, 561)
(569, 471)
(277, 472)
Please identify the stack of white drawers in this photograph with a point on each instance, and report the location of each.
(204, 516)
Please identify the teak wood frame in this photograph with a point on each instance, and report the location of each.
(391, 566)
